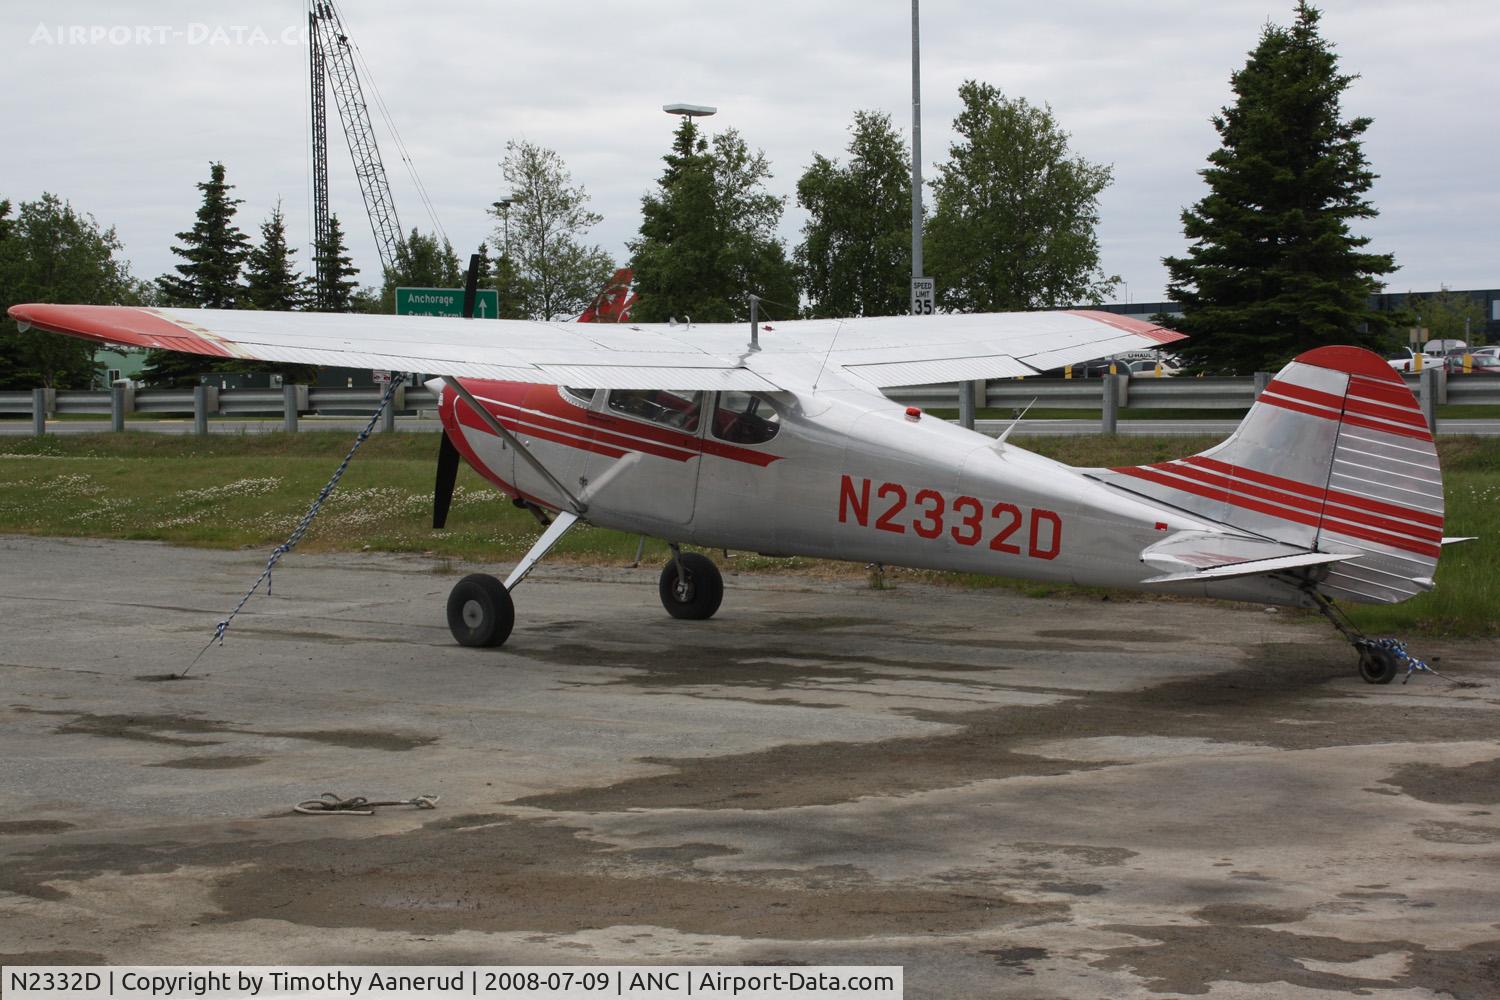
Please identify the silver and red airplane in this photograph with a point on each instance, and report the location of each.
(777, 439)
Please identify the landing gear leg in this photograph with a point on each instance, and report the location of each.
(691, 587)
(480, 611)
(1379, 659)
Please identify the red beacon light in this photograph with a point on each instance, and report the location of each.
(913, 413)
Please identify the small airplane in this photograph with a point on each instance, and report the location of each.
(776, 439)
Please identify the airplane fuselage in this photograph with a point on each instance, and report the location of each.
(844, 475)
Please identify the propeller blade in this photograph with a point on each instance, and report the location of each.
(447, 473)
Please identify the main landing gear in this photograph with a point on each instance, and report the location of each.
(690, 586)
(1379, 659)
(481, 612)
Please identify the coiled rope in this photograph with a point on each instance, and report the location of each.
(357, 805)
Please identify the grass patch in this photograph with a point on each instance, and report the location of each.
(232, 491)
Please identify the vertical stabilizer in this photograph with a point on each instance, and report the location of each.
(1334, 456)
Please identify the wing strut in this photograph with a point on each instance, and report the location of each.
(579, 507)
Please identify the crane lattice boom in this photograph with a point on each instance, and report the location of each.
(331, 54)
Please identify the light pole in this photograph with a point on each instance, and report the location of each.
(502, 208)
(916, 154)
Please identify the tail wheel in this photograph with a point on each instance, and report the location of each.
(697, 592)
(480, 611)
(1377, 666)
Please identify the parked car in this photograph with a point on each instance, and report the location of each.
(1429, 358)
(1090, 369)
(1148, 368)
(1479, 364)
(1403, 364)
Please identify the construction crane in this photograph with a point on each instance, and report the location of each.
(331, 57)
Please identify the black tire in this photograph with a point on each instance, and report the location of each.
(697, 596)
(480, 611)
(1377, 666)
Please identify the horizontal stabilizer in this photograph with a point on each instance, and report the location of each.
(1256, 567)
(1208, 555)
(1462, 538)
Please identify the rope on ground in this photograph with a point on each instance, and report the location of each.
(329, 804)
(397, 378)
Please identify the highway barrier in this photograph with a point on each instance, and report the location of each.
(1107, 394)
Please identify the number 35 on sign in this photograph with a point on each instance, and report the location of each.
(923, 292)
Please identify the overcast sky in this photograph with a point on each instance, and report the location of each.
(123, 126)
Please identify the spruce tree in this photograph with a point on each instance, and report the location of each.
(214, 251)
(271, 282)
(422, 262)
(1273, 268)
(331, 260)
(708, 236)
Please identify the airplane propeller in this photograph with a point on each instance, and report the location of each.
(447, 463)
(447, 473)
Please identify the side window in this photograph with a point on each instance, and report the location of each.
(743, 418)
(662, 406)
(584, 396)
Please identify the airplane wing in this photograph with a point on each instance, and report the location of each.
(875, 351)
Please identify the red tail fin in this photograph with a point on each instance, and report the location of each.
(612, 304)
(1335, 456)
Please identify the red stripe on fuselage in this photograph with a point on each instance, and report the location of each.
(453, 418)
(541, 411)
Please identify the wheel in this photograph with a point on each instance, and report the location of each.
(1377, 666)
(698, 595)
(480, 611)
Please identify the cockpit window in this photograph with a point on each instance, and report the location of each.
(745, 418)
(584, 396)
(661, 406)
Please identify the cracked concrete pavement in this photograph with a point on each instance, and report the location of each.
(1007, 796)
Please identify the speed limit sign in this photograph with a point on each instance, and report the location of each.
(923, 291)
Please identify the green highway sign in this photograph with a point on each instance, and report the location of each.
(446, 302)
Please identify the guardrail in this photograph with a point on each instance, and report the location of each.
(1107, 394)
